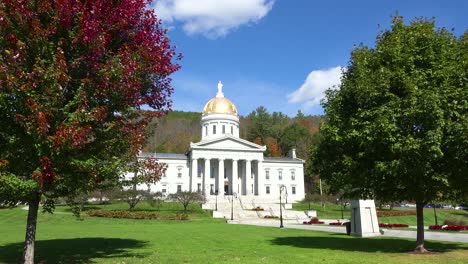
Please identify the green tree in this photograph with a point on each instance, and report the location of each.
(260, 124)
(186, 198)
(397, 129)
(73, 77)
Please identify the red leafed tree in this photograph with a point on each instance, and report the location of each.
(73, 77)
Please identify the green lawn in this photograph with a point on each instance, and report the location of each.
(63, 239)
(333, 211)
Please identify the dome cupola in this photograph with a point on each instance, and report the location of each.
(219, 117)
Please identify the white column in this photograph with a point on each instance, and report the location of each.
(248, 175)
(261, 178)
(206, 174)
(221, 177)
(193, 186)
(234, 182)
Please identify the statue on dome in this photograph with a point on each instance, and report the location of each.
(220, 90)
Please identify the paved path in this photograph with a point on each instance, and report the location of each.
(440, 236)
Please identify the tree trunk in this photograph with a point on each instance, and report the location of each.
(420, 228)
(28, 252)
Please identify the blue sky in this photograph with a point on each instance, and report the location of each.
(281, 54)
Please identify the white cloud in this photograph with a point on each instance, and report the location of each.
(312, 91)
(212, 18)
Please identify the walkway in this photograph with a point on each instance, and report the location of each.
(440, 236)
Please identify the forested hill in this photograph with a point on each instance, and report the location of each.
(174, 132)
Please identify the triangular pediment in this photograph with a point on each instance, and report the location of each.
(229, 143)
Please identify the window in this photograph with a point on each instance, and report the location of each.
(179, 173)
(164, 175)
(267, 190)
(232, 130)
(224, 129)
(206, 130)
(293, 189)
(163, 190)
(199, 187)
(179, 187)
(280, 175)
(293, 175)
(212, 173)
(267, 174)
(214, 129)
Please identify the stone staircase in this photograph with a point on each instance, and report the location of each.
(243, 207)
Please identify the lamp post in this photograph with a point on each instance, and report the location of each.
(234, 196)
(282, 187)
(216, 203)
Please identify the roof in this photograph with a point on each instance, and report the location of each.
(163, 155)
(276, 159)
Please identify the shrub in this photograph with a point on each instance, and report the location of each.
(123, 214)
(455, 222)
(270, 216)
(258, 208)
(387, 213)
(392, 225)
(313, 220)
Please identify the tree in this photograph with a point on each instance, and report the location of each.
(146, 171)
(397, 129)
(186, 198)
(73, 77)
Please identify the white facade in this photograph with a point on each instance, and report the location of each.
(224, 164)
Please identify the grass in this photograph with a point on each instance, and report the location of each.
(333, 211)
(63, 239)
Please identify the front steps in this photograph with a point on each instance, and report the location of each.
(243, 207)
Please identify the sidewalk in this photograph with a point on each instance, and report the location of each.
(439, 236)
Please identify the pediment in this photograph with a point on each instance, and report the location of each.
(228, 142)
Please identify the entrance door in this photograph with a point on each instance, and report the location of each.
(226, 189)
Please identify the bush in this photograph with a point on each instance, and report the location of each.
(313, 220)
(455, 222)
(387, 213)
(392, 225)
(123, 214)
(258, 208)
(270, 216)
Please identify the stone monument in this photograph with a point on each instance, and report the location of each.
(364, 222)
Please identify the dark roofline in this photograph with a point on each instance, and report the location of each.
(163, 155)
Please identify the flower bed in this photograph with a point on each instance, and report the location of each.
(338, 223)
(270, 216)
(392, 225)
(448, 227)
(385, 213)
(313, 220)
(135, 215)
(258, 208)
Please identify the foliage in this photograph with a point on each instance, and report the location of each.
(387, 213)
(155, 200)
(131, 196)
(397, 129)
(73, 78)
(123, 214)
(186, 198)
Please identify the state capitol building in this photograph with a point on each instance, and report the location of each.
(224, 164)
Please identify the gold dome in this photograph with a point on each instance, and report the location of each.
(220, 105)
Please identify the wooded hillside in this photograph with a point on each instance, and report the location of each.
(174, 132)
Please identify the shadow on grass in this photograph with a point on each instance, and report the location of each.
(384, 245)
(74, 250)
